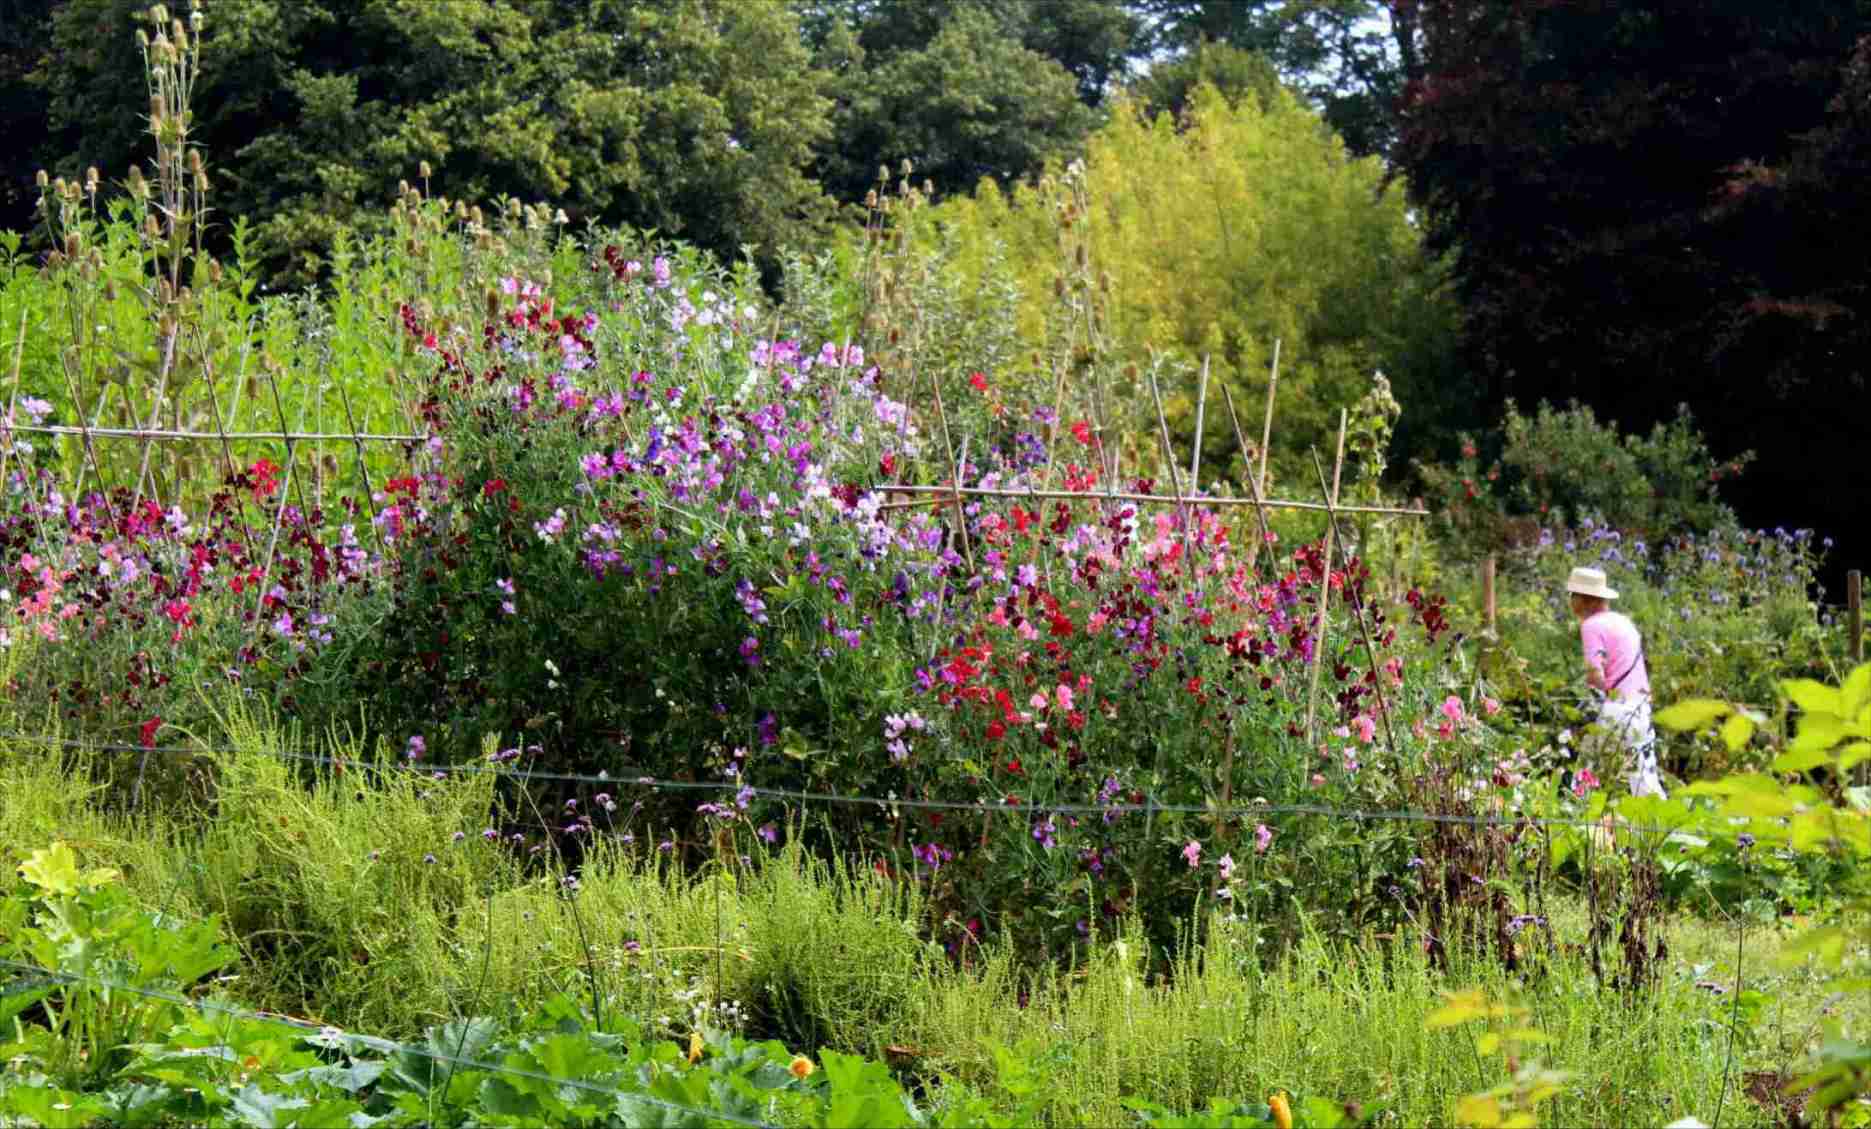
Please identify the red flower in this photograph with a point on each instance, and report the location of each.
(263, 483)
(887, 465)
(149, 732)
(1013, 766)
(978, 381)
(996, 730)
(1081, 431)
(492, 487)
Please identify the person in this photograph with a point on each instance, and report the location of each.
(1615, 669)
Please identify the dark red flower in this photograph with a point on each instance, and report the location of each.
(149, 732)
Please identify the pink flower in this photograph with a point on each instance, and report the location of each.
(1226, 866)
(1583, 782)
(1490, 707)
(1064, 694)
(1367, 729)
(1038, 701)
(1263, 838)
(1193, 853)
(1318, 780)
(1452, 708)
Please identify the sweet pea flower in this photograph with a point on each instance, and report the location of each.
(1263, 838)
(1193, 853)
(1225, 865)
(1452, 709)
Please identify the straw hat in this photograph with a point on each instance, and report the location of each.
(1590, 582)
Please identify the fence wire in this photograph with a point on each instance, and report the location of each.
(740, 787)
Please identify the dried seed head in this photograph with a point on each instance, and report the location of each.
(461, 210)
(139, 187)
(179, 34)
(158, 110)
(558, 217)
(158, 15)
(883, 174)
(201, 181)
(1058, 286)
(906, 166)
(402, 189)
(71, 245)
(1130, 371)
(474, 215)
(214, 272)
(194, 160)
(142, 41)
(422, 169)
(39, 178)
(491, 298)
(151, 228)
(1104, 283)
(870, 198)
(895, 335)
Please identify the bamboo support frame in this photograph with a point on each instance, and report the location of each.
(1325, 582)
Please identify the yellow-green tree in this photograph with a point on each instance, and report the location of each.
(1214, 235)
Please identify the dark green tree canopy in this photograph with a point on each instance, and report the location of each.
(1660, 201)
(962, 89)
(695, 117)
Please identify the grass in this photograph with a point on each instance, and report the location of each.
(353, 903)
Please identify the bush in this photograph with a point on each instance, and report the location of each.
(1562, 466)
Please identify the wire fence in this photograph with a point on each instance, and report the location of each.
(738, 785)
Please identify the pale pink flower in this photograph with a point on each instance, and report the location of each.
(1193, 853)
(1263, 838)
(1367, 729)
(1225, 865)
(1452, 708)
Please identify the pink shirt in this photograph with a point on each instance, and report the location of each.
(1612, 647)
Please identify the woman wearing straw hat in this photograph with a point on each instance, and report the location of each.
(1614, 667)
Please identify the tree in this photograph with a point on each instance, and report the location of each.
(1656, 202)
(24, 38)
(1338, 53)
(962, 88)
(695, 117)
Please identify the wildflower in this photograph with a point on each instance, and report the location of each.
(1263, 838)
(1452, 709)
(1193, 854)
(769, 832)
(148, 732)
(1490, 707)
(1583, 782)
(1367, 729)
(978, 381)
(417, 747)
(695, 1047)
(801, 1067)
(1081, 431)
(1226, 866)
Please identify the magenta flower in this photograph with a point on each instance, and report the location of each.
(1263, 838)
(1193, 853)
(1452, 709)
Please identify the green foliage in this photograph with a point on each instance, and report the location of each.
(960, 100)
(1806, 804)
(1563, 466)
(696, 118)
(1215, 236)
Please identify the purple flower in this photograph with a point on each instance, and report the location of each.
(769, 832)
(750, 651)
(743, 797)
(417, 747)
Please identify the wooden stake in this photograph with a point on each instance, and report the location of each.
(1253, 489)
(1195, 456)
(1175, 478)
(1364, 633)
(1325, 582)
(1266, 444)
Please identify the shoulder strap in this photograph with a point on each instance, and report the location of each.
(1629, 670)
